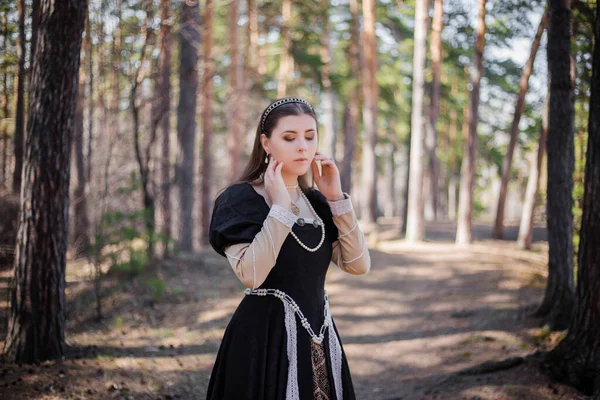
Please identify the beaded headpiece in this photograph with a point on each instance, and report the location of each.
(280, 103)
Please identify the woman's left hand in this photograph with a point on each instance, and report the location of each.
(329, 181)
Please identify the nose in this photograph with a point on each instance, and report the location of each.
(302, 145)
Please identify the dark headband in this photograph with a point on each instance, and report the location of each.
(280, 103)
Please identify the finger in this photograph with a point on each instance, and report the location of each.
(271, 161)
(315, 168)
(278, 169)
(274, 164)
(269, 170)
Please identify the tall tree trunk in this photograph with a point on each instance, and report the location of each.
(207, 125)
(390, 174)
(330, 135)
(453, 139)
(101, 84)
(4, 134)
(369, 172)
(405, 192)
(37, 293)
(525, 238)
(89, 50)
(189, 41)
(80, 237)
(352, 110)
(557, 305)
(164, 60)
(35, 22)
(236, 93)
(144, 162)
(19, 136)
(576, 360)
(415, 224)
(514, 130)
(467, 175)
(252, 34)
(285, 58)
(263, 50)
(433, 169)
(5, 108)
(116, 71)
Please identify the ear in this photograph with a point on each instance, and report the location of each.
(264, 140)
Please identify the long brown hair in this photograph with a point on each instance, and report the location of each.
(254, 171)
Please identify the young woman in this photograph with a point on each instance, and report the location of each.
(279, 234)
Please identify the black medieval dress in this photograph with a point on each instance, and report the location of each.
(252, 362)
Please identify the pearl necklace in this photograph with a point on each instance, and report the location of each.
(301, 222)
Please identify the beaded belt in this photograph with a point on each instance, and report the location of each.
(335, 349)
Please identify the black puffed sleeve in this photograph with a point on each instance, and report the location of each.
(237, 217)
(319, 203)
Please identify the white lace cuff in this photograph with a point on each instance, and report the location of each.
(340, 207)
(282, 215)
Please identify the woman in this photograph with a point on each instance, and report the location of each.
(279, 234)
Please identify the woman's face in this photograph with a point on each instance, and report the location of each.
(293, 141)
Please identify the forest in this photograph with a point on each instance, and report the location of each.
(467, 133)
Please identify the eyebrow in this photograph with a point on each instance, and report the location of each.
(290, 131)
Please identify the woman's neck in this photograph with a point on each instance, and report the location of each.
(290, 180)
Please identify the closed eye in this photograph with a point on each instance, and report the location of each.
(288, 139)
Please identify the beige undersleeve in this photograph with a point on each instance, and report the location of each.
(253, 261)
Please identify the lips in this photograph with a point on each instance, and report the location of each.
(301, 159)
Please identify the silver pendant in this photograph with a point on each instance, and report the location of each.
(300, 221)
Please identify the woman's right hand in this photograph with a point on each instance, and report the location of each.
(274, 184)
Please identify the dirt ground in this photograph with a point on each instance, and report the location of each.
(422, 314)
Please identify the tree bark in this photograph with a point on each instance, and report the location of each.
(37, 293)
(164, 60)
(101, 84)
(19, 136)
(4, 135)
(144, 162)
(525, 237)
(89, 50)
(576, 360)
(329, 137)
(453, 139)
(207, 125)
(189, 42)
(352, 109)
(285, 58)
(369, 161)
(467, 175)
(236, 97)
(35, 22)
(252, 34)
(5, 108)
(116, 72)
(433, 169)
(498, 232)
(80, 237)
(557, 305)
(415, 224)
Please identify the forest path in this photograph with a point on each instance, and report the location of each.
(424, 312)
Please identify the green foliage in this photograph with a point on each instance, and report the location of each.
(158, 288)
(122, 239)
(118, 322)
(134, 265)
(479, 209)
